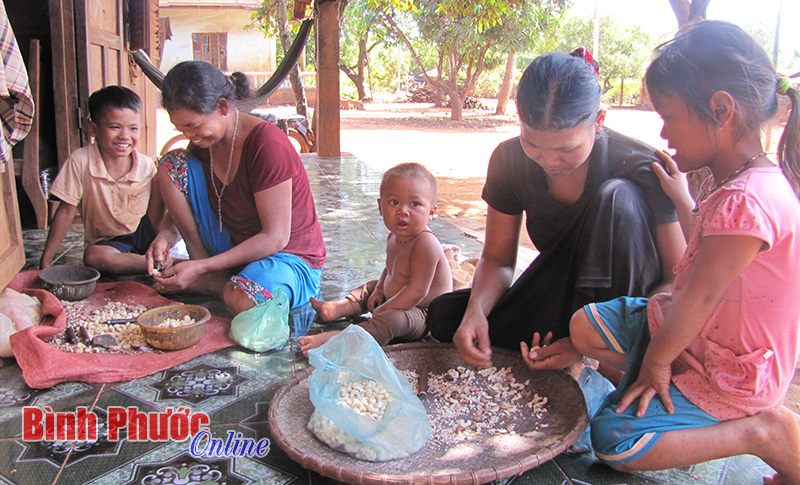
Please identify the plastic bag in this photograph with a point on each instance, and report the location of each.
(595, 388)
(18, 311)
(6, 329)
(24, 310)
(355, 355)
(263, 327)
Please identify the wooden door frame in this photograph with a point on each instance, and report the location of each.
(65, 83)
(84, 38)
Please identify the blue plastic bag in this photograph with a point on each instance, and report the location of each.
(263, 327)
(354, 355)
(595, 388)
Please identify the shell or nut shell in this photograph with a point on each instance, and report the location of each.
(463, 403)
(129, 336)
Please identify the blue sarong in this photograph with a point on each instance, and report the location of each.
(259, 279)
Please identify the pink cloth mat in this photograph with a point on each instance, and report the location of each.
(44, 366)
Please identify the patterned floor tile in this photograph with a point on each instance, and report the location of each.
(740, 470)
(206, 384)
(14, 470)
(174, 463)
(15, 395)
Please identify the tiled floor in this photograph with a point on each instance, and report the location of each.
(237, 398)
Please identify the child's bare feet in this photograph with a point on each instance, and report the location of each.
(313, 341)
(781, 448)
(328, 311)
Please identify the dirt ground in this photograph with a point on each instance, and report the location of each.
(457, 153)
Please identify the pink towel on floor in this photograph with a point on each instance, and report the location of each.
(45, 366)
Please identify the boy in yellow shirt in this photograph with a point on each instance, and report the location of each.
(109, 183)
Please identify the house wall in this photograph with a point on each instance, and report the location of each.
(248, 49)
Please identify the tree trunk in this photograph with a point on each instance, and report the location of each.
(285, 35)
(438, 99)
(362, 64)
(621, 90)
(505, 87)
(456, 103)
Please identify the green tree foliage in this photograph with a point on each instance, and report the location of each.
(361, 34)
(469, 37)
(624, 50)
(456, 40)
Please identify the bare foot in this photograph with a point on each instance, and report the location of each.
(328, 311)
(313, 341)
(781, 448)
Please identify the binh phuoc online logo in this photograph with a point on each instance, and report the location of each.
(43, 424)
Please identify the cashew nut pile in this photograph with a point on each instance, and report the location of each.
(365, 397)
(84, 326)
(368, 398)
(464, 403)
(175, 322)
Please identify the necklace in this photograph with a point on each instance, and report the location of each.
(737, 171)
(221, 191)
(730, 177)
(412, 237)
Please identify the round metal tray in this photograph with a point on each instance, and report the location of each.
(481, 459)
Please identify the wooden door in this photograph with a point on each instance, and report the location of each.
(101, 52)
(69, 120)
(89, 52)
(12, 252)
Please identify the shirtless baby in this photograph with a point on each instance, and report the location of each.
(416, 269)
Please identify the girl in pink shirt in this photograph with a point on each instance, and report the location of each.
(707, 366)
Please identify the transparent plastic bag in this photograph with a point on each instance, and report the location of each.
(263, 327)
(18, 311)
(595, 389)
(355, 355)
(24, 310)
(6, 329)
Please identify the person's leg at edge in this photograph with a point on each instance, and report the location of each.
(384, 328)
(355, 303)
(122, 255)
(445, 313)
(261, 280)
(109, 260)
(588, 342)
(352, 305)
(773, 436)
(617, 246)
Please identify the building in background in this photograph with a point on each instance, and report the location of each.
(216, 31)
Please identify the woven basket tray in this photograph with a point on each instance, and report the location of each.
(481, 459)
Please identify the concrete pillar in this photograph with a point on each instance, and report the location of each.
(328, 120)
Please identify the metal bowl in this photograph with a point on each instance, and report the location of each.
(70, 282)
(173, 338)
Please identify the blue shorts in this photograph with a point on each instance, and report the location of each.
(136, 242)
(620, 438)
(295, 277)
(259, 279)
